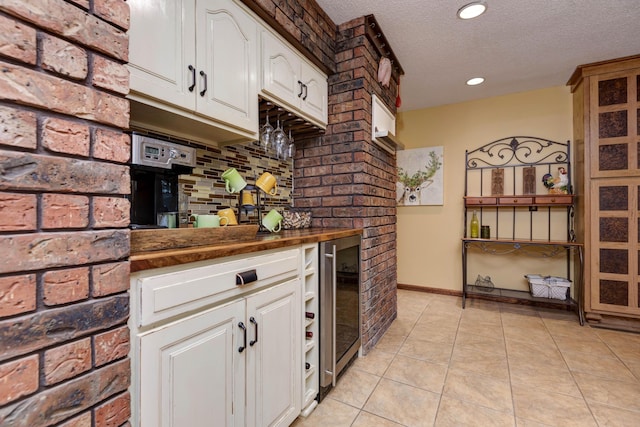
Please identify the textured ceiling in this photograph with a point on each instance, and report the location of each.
(516, 45)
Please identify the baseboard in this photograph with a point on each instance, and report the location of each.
(429, 290)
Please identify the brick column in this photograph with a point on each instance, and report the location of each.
(64, 274)
(347, 181)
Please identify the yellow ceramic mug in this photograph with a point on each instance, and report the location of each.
(247, 199)
(230, 215)
(267, 183)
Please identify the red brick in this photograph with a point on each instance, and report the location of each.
(17, 128)
(82, 420)
(111, 145)
(70, 22)
(110, 278)
(64, 211)
(110, 346)
(67, 361)
(114, 11)
(17, 41)
(17, 294)
(64, 58)
(64, 136)
(114, 412)
(64, 286)
(53, 405)
(37, 89)
(18, 212)
(26, 252)
(110, 75)
(34, 172)
(18, 378)
(82, 3)
(110, 212)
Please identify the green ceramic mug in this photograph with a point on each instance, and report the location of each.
(209, 221)
(233, 182)
(272, 221)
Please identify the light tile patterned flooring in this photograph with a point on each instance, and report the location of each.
(490, 364)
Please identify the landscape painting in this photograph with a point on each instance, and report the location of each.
(420, 177)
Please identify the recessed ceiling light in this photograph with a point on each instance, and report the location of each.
(472, 10)
(475, 81)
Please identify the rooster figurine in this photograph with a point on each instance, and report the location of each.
(559, 184)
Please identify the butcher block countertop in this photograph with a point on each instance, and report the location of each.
(148, 259)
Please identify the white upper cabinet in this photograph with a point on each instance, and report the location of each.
(227, 58)
(161, 49)
(197, 59)
(288, 78)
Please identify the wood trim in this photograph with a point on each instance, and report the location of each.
(379, 41)
(430, 290)
(601, 67)
(507, 300)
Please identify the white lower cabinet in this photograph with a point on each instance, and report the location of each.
(191, 373)
(234, 363)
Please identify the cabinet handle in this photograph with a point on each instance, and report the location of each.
(515, 200)
(246, 277)
(255, 324)
(193, 78)
(304, 98)
(301, 90)
(244, 329)
(203, 91)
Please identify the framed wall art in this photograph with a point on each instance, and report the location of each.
(420, 177)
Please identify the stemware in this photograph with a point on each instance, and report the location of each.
(279, 138)
(291, 152)
(266, 134)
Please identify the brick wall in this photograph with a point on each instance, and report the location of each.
(343, 178)
(64, 273)
(348, 181)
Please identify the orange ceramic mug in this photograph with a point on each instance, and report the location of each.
(267, 183)
(230, 215)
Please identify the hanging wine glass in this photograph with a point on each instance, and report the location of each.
(279, 139)
(266, 134)
(291, 150)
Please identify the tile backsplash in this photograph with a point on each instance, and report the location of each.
(205, 188)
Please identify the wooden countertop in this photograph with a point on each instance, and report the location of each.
(263, 241)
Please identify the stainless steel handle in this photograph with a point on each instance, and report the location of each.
(244, 329)
(255, 324)
(204, 75)
(334, 287)
(193, 78)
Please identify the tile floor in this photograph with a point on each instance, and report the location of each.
(490, 364)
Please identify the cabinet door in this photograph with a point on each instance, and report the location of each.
(274, 362)
(280, 71)
(161, 49)
(314, 99)
(192, 373)
(616, 245)
(227, 53)
(615, 124)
